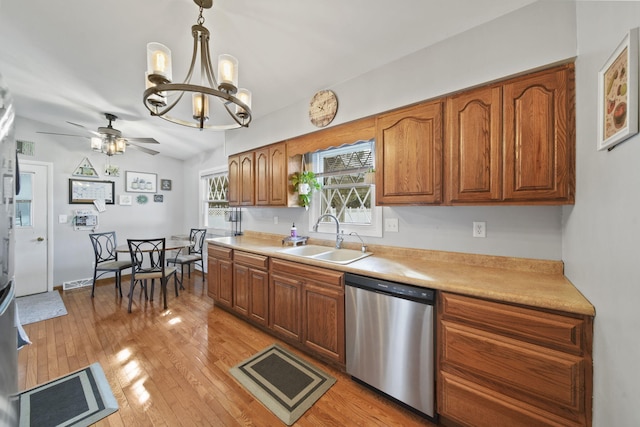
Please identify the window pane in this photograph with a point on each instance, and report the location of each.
(217, 204)
(344, 193)
(24, 217)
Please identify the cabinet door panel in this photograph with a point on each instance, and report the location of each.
(278, 195)
(213, 282)
(235, 183)
(409, 155)
(324, 321)
(259, 296)
(225, 294)
(284, 300)
(262, 177)
(247, 195)
(241, 289)
(474, 154)
(539, 137)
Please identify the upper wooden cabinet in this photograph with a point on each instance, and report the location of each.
(259, 177)
(271, 176)
(473, 160)
(409, 155)
(539, 136)
(513, 142)
(241, 180)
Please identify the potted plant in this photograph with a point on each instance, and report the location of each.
(304, 183)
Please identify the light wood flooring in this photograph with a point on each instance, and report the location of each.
(171, 368)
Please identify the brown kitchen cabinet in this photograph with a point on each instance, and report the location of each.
(409, 155)
(307, 305)
(473, 153)
(506, 365)
(241, 179)
(251, 285)
(539, 136)
(513, 142)
(220, 275)
(271, 175)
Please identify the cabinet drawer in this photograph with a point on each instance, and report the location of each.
(471, 405)
(548, 329)
(307, 272)
(251, 260)
(220, 252)
(524, 370)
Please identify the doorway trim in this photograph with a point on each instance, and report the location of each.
(49, 166)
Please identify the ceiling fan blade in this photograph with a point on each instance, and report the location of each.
(85, 128)
(63, 134)
(143, 140)
(143, 149)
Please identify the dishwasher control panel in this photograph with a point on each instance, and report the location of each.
(415, 293)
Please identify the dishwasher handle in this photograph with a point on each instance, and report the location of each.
(398, 290)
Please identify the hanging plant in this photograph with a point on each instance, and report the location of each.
(304, 183)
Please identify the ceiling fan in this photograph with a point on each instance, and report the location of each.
(109, 132)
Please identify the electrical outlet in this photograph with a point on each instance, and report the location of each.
(275, 219)
(391, 225)
(479, 229)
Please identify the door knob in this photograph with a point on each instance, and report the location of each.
(40, 239)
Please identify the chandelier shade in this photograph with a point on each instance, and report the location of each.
(215, 104)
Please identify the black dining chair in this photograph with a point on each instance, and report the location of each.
(193, 255)
(106, 259)
(147, 257)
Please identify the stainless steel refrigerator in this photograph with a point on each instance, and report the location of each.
(8, 318)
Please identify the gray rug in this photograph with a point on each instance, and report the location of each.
(78, 399)
(38, 307)
(281, 381)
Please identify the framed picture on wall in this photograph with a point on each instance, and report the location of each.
(141, 182)
(83, 191)
(165, 184)
(618, 94)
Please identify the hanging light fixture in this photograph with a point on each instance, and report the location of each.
(162, 96)
(111, 142)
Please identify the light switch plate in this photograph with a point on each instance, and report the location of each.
(391, 225)
(62, 219)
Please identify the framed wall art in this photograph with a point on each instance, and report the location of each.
(84, 191)
(165, 184)
(141, 182)
(125, 200)
(618, 94)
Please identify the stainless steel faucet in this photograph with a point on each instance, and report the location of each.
(339, 236)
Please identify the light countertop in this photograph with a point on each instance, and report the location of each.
(531, 282)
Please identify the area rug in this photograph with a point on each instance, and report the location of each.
(284, 383)
(38, 307)
(78, 399)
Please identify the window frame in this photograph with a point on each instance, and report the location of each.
(369, 230)
(203, 194)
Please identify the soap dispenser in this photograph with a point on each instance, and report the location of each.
(294, 230)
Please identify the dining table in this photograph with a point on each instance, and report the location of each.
(172, 243)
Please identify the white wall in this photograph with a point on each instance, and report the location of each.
(73, 254)
(601, 234)
(504, 47)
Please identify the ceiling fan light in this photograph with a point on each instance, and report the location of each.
(200, 103)
(96, 144)
(121, 145)
(244, 95)
(227, 73)
(158, 63)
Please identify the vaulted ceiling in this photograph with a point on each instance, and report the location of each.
(75, 60)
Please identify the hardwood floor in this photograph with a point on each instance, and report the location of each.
(171, 368)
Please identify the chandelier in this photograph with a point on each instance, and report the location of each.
(110, 141)
(162, 97)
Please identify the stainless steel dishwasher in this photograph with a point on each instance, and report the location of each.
(390, 339)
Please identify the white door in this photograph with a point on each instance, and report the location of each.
(32, 229)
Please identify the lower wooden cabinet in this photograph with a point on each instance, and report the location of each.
(250, 285)
(220, 275)
(505, 365)
(308, 306)
(303, 305)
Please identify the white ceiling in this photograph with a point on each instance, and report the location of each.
(74, 60)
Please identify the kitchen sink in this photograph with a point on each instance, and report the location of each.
(325, 253)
